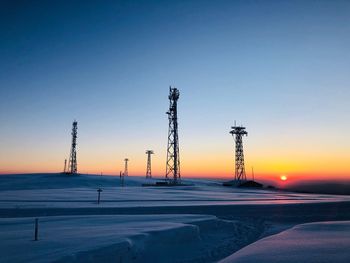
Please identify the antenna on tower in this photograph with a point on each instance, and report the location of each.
(72, 166)
(149, 170)
(173, 158)
(238, 132)
(126, 167)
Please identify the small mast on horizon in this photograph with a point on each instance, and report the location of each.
(65, 166)
(149, 169)
(126, 167)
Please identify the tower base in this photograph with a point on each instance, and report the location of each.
(243, 184)
(166, 184)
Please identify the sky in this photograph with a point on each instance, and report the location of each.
(280, 68)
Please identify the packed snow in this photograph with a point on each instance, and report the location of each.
(314, 242)
(200, 222)
(59, 190)
(122, 238)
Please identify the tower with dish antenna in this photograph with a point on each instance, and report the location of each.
(238, 132)
(149, 169)
(72, 165)
(172, 174)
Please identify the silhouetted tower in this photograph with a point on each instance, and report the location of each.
(238, 132)
(72, 167)
(65, 165)
(149, 170)
(173, 157)
(126, 167)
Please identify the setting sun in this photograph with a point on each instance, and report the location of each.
(283, 177)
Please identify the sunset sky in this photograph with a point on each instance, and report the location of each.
(280, 68)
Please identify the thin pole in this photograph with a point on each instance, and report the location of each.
(36, 231)
(121, 176)
(99, 195)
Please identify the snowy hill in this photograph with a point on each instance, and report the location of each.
(202, 222)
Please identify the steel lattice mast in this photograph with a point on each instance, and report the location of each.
(238, 132)
(72, 166)
(149, 170)
(126, 167)
(173, 157)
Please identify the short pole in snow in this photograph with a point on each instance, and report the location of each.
(36, 231)
(99, 190)
(121, 176)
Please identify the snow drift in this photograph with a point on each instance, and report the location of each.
(322, 242)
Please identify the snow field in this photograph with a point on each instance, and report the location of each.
(147, 238)
(62, 191)
(204, 222)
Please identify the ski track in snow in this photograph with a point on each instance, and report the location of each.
(203, 222)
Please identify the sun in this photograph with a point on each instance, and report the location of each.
(283, 177)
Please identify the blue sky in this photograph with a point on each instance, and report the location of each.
(279, 67)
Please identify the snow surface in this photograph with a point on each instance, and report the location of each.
(323, 242)
(202, 222)
(122, 238)
(58, 190)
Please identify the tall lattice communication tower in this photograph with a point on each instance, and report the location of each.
(72, 166)
(126, 167)
(173, 157)
(149, 169)
(238, 132)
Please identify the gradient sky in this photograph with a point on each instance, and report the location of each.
(281, 68)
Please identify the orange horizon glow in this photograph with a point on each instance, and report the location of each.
(272, 176)
(219, 164)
